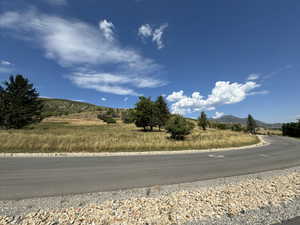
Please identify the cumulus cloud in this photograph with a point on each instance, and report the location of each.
(253, 76)
(218, 115)
(107, 29)
(146, 31)
(223, 93)
(83, 48)
(103, 99)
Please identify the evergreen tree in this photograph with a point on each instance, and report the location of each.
(19, 103)
(146, 113)
(202, 121)
(163, 113)
(179, 127)
(251, 124)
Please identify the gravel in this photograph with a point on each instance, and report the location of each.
(263, 198)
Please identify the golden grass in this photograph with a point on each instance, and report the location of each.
(86, 136)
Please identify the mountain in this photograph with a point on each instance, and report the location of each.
(58, 107)
(243, 121)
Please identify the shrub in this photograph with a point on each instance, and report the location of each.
(128, 116)
(179, 127)
(237, 127)
(106, 118)
(109, 120)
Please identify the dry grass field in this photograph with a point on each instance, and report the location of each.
(75, 134)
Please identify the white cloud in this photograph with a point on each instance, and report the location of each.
(146, 31)
(264, 92)
(6, 66)
(103, 99)
(298, 117)
(57, 2)
(218, 115)
(107, 29)
(83, 49)
(223, 93)
(125, 99)
(157, 36)
(253, 76)
(5, 63)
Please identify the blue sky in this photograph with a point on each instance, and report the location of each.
(223, 57)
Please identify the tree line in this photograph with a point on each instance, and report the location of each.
(20, 106)
(291, 129)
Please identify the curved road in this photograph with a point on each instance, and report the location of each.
(22, 178)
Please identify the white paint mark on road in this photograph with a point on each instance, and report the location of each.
(216, 156)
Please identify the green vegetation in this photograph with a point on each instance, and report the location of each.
(251, 125)
(107, 118)
(291, 129)
(83, 135)
(59, 107)
(202, 121)
(179, 127)
(19, 103)
(149, 114)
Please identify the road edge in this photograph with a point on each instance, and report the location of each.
(262, 143)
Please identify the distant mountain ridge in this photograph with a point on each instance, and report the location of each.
(243, 121)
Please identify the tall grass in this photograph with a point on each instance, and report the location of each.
(68, 137)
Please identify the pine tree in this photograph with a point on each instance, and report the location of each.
(251, 124)
(202, 121)
(163, 113)
(179, 127)
(19, 103)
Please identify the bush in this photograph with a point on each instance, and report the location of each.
(106, 118)
(128, 116)
(237, 127)
(179, 127)
(109, 120)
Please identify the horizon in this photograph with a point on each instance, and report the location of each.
(224, 58)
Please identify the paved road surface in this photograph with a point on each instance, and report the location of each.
(295, 221)
(37, 177)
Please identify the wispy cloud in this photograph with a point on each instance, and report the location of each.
(276, 72)
(125, 99)
(146, 31)
(6, 66)
(223, 93)
(83, 48)
(103, 99)
(253, 76)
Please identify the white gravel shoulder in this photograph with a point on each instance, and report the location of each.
(263, 198)
(262, 142)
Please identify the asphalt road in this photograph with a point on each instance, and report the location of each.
(22, 178)
(295, 221)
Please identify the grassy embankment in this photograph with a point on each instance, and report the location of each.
(91, 135)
